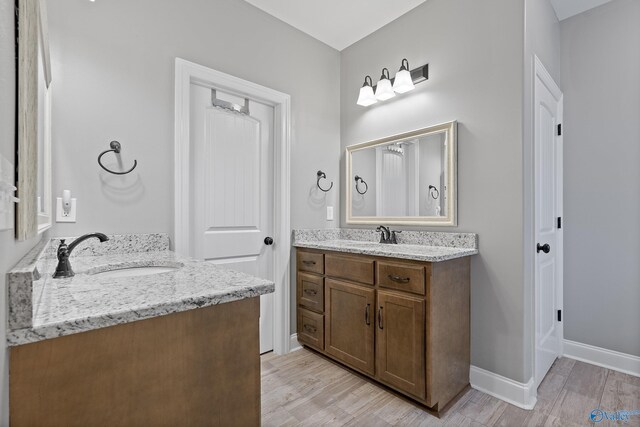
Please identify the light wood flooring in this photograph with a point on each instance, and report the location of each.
(302, 388)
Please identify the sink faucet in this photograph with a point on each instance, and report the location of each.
(64, 267)
(384, 234)
(387, 235)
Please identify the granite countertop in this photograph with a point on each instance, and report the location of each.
(90, 301)
(413, 245)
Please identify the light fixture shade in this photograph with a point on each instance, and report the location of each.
(384, 90)
(403, 81)
(366, 96)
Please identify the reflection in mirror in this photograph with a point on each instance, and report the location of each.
(410, 178)
(33, 212)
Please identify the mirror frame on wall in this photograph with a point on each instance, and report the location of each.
(33, 46)
(451, 217)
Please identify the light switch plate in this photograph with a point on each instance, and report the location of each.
(329, 213)
(60, 216)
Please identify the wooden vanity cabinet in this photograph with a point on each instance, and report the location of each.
(403, 323)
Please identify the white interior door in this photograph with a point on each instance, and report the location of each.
(548, 205)
(233, 191)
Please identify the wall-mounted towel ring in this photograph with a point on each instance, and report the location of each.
(115, 147)
(320, 176)
(433, 191)
(366, 187)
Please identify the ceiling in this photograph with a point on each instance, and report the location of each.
(338, 23)
(567, 8)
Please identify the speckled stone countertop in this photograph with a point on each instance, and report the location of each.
(90, 301)
(413, 245)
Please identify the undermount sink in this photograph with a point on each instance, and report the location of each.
(135, 271)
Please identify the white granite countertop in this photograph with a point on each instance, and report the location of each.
(403, 251)
(418, 246)
(90, 301)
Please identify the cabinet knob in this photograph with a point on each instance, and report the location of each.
(268, 241)
(544, 248)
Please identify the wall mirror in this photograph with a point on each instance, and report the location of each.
(406, 179)
(33, 212)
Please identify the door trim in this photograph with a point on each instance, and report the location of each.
(187, 73)
(540, 72)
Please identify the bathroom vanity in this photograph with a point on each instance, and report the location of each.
(139, 336)
(398, 314)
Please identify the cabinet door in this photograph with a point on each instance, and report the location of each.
(400, 342)
(349, 326)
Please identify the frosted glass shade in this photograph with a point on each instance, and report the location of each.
(366, 96)
(384, 90)
(403, 82)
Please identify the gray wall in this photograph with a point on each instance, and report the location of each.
(113, 70)
(600, 76)
(10, 250)
(542, 38)
(475, 52)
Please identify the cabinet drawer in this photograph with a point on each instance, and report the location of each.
(358, 269)
(401, 276)
(311, 328)
(310, 261)
(310, 290)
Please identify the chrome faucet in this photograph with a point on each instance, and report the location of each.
(64, 267)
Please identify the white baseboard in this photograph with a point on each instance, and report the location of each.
(598, 356)
(519, 394)
(293, 343)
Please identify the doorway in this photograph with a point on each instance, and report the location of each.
(232, 183)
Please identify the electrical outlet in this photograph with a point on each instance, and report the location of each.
(61, 215)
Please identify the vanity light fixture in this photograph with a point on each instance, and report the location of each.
(384, 90)
(404, 81)
(366, 96)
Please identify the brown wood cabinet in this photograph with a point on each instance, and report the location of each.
(402, 323)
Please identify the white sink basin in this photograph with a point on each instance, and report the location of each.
(135, 271)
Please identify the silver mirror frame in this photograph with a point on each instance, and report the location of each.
(450, 220)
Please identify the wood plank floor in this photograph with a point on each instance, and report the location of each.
(302, 388)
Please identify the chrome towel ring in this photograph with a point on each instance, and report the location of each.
(115, 147)
(366, 187)
(320, 176)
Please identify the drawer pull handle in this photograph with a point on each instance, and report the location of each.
(380, 318)
(399, 279)
(310, 329)
(367, 320)
(311, 292)
(307, 262)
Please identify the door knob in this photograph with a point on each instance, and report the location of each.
(544, 248)
(268, 241)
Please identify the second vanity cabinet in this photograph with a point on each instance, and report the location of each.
(403, 323)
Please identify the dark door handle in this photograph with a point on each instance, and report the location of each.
(399, 279)
(268, 241)
(311, 292)
(307, 262)
(544, 248)
(380, 318)
(366, 315)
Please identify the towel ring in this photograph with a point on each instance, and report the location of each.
(366, 187)
(320, 176)
(115, 147)
(432, 190)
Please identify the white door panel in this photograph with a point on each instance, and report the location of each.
(547, 110)
(233, 191)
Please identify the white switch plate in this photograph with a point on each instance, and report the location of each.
(60, 215)
(329, 213)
